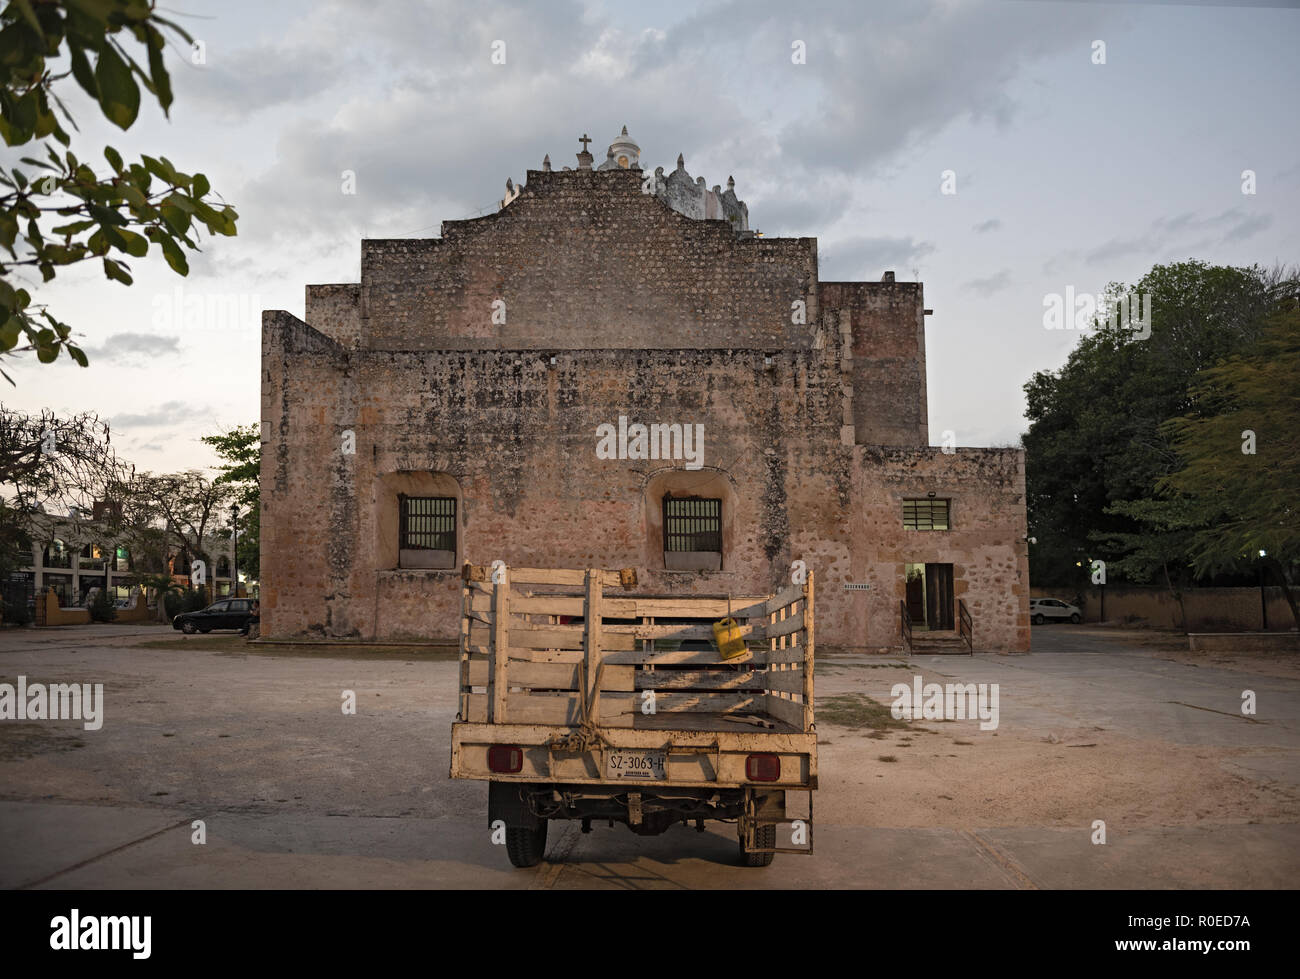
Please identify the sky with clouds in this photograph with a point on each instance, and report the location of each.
(1068, 173)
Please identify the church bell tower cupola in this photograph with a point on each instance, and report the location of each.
(623, 154)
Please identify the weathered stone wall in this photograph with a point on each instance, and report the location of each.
(985, 546)
(615, 305)
(585, 259)
(335, 310)
(888, 366)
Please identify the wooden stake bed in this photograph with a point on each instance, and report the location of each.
(571, 665)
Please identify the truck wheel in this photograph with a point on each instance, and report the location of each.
(526, 846)
(764, 835)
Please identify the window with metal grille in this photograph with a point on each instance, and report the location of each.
(692, 523)
(428, 523)
(925, 514)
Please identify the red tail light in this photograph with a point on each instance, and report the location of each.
(505, 759)
(763, 768)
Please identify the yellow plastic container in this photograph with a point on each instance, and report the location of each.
(727, 635)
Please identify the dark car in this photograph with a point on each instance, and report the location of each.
(229, 613)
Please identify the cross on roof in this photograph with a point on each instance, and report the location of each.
(584, 141)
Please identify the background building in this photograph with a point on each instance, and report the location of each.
(450, 408)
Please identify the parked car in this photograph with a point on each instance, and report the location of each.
(1042, 609)
(229, 613)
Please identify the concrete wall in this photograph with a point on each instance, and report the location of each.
(1208, 609)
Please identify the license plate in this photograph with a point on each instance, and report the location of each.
(644, 765)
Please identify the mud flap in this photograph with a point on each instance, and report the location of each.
(768, 809)
(507, 802)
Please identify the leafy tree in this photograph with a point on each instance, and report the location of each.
(101, 609)
(1249, 401)
(240, 450)
(1097, 441)
(163, 584)
(58, 211)
(186, 506)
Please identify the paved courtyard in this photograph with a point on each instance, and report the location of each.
(1094, 725)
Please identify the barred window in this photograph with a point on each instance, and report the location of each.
(692, 523)
(428, 523)
(925, 515)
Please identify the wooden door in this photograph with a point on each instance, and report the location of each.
(938, 593)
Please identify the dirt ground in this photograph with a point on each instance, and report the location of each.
(1092, 726)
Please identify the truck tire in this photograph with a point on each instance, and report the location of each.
(764, 835)
(525, 847)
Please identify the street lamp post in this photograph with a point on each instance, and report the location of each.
(234, 551)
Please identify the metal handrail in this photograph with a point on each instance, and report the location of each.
(966, 626)
(905, 626)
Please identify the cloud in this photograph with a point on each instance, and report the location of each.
(167, 413)
(880, 92)
(993, 283)
(1249, 227)
(992, 224)
(866, 258)
(1185, 233)
(133, 349)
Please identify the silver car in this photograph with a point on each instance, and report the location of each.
(1042, 609)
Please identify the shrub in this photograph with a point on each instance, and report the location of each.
(101, 609)
(17, 613)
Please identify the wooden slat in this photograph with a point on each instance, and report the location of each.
(555, 676)
(591, 647)
(794, 654)
(476, 708)
(500, 647)
(789, 681)
(698, 679)
(559, 637)
(676, 657)
(476, 672)
(809, 663)
(684, 607)
(783, 598)
(564, 676)
(673, 703)
(546, 655)
(784, 710)
(791, 624)
(752, 630)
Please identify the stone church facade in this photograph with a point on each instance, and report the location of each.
(613, 370)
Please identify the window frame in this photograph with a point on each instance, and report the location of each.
(697, 548)
(930, 504)
(427, 555)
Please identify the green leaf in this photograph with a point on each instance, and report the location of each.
(161, 82)
(119, 95)
(114, 158)
(160, 168)
(79, 355)
(116, 270)
(75, 228)
(201, 185)
(175, 218)
(135, 245)
(29, 15)
(82, 71)
(10, 332)
(175, 257)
